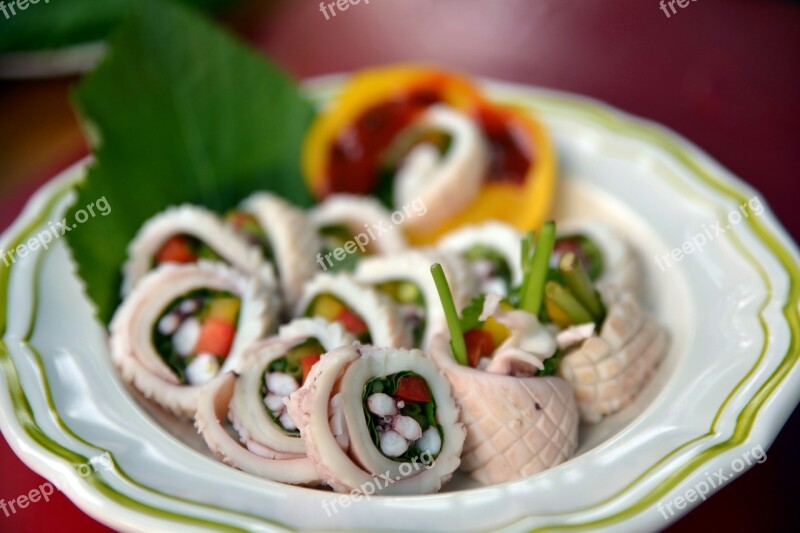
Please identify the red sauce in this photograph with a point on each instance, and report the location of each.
(355, 155)
(509, 153)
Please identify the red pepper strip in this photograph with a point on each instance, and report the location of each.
(413, 389)
(176, 250)
(307, 362)
(351, 322)
(479, 344)
(216, 337)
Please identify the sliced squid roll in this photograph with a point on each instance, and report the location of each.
(609, 369)
(516, 426)
(406, 279)
(186, 234)
(365, 312)
(212, 407)
(286, 237)
(445, 179)
(370, 414)
(350, 217)
(610, 260)
(275, 368)
(493, 252)
(184, 324)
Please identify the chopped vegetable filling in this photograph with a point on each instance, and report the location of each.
(246, 225)
(333, 309)
(285, 375)
(584, 248)
(184, 249)
(491, 269)
(336, 236)
(561, 293)
(401, 416)
(411, 302)
(195, 333)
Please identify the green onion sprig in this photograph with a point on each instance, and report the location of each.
(535, 270)
(451, 314)
(578, 282)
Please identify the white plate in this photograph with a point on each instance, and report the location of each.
(726, 387)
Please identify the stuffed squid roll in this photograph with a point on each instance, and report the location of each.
(516, 426)
(285, 236)
(271, 446)
(212, 407)
(363, 311)
(368, 414)
(609, 368)
(609, 258)
(405, 278)
(187, 234)
(444, 166)
(184, 324)
(493, 252)
(349, 217)
(608, 347)
(520, 419)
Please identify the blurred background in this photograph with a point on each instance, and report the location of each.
(723, 73)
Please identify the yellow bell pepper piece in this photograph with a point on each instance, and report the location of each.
(327, 307)
(224, 309)
(498, 331)
(558, 316)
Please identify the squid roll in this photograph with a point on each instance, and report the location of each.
(608, 345)
(184, 324)
(187, 234)
(285, 236)
(493, 252)
(520, 419)
(405, 278)
(363, 311)
(350, 217)
(609, 368)
(369, 414)
(516, 425)
(253, 400)
(609, 258)
(417, 134)
(445, 158)
(501, 358)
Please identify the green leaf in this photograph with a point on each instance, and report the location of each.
(57, 23)
(179, 111)
(551, 364)
(470, 315)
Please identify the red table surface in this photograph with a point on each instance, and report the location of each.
(722, 73)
